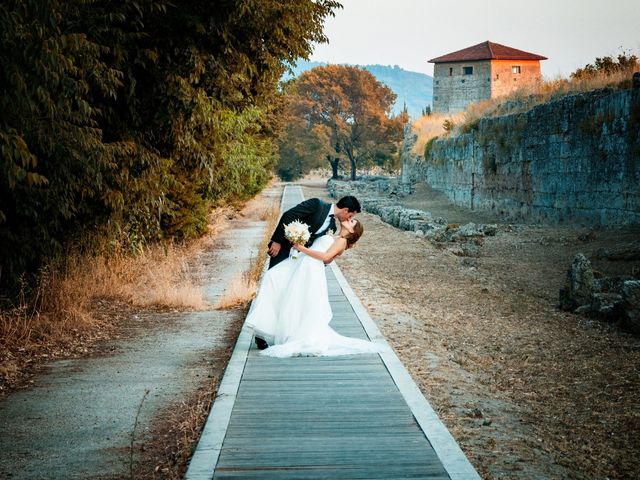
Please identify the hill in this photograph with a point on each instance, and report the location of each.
(413, 89)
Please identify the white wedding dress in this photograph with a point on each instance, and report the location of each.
(292, 310)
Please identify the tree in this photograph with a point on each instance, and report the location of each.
(354, 109)
(301, 149)
(126, 120)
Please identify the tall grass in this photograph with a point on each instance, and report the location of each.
(431, 126)
(63, 304)
(244, 286)
(526, 98)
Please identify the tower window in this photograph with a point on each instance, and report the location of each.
(467, 70)
(451, 72)
(515, 69)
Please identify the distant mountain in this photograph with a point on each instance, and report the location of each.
(413, 88)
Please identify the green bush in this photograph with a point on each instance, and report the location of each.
(125, 121)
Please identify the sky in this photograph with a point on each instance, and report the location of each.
(407, 33)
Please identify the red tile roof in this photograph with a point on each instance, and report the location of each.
(487, 51)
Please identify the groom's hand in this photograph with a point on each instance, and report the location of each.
(274, 249)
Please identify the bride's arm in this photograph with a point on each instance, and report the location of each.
(336, 249)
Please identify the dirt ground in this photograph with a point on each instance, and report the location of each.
(528, 391)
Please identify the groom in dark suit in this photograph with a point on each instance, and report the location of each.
(320, 216)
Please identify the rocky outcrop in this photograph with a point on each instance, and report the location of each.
(631, 305)
(580, 284)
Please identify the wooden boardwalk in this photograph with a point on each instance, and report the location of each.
(349, 417)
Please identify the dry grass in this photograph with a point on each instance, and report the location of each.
(62, 301)
(244, 287)
(62, 310)
(521, 100)
(239, 292)
(431, 126)
(539, 93)
(159, 277)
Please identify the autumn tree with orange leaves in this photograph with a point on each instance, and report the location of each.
(340, 111)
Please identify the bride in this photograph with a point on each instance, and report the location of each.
(292, 311)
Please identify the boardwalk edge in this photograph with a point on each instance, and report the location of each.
(205, 457)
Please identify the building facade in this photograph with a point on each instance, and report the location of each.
(480, 72)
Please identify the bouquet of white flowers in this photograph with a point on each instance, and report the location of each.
(297, 232)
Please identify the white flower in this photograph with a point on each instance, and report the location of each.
(297, 232)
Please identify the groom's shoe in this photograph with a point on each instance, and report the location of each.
(261, 344)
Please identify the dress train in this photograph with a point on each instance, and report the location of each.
(292, 311)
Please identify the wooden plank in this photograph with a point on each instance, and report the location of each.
(334, 417)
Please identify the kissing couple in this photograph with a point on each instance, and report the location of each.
(290, 315)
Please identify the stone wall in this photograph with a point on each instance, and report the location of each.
(575, 160)
(408, 170)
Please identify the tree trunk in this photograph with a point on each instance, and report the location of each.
(352, 160)
(353, 167)
(334, 166)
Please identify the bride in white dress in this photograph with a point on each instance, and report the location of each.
(292, 310)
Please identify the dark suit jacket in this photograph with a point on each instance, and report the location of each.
(313, 212)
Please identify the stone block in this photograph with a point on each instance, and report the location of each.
(606, 305)
(580, 284)
(631, 305)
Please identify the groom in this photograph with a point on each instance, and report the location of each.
(320, 216)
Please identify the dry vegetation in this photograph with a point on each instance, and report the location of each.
(80, 300)
(432, 126)
(521, 100)
(243, 288)
(543, 92)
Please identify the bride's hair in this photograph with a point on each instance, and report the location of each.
(352, 238)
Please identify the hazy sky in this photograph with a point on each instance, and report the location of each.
(571, 33)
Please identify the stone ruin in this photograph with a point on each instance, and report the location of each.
(379, 196)
(611, 299)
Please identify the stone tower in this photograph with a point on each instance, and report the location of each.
(480, 72)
